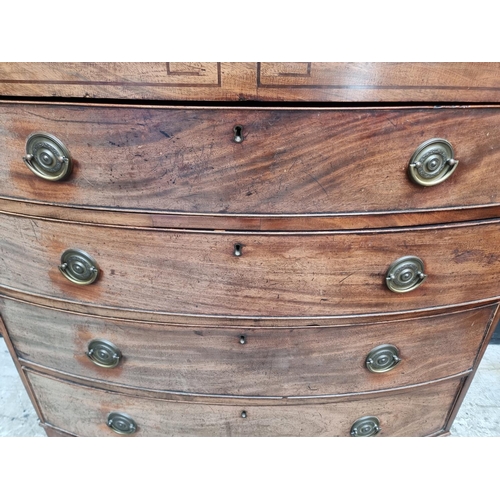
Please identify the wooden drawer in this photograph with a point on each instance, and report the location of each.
(84, 411)
(291, 161)
(280, 82)
(276, 275)
(272, 362)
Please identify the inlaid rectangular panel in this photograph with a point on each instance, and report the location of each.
(122, 80)
(253, 81)
(382, 76)
(118, 73)
(270, 362)
(84, 411)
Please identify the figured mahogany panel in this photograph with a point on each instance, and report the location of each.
(256, 362)
(276, 275)
(291, 161)
(274, 81)
(84, 411)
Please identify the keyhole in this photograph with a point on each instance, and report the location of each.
(238, 133)
(237, 249)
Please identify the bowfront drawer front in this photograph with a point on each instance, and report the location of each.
(90, 412)
(232, 270)
(249, 362)
(252, 274)
(250, 161)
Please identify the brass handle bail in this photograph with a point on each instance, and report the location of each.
(47, 157)
(78, 267)
(104, 353)
(382, 358)
(405, 274)
(365, 427)
(121, 423)
(432, 162)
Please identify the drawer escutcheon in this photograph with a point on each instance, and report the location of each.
(238, 134)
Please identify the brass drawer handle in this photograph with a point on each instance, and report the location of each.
(78, 267)
(432, 162)
(405, 274)
(365, 427)
(121, 423)
(382, 359)
(47, 157)
(103, 353)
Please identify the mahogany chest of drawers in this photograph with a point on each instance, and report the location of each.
(248, 249)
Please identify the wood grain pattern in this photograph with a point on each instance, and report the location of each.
(317, 196)
(273, 362)
(244, 223)
(288, 274)
(301, 161)
(252, 322)
(83, 411)
(268, 81)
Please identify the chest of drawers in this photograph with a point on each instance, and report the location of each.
(248, 249)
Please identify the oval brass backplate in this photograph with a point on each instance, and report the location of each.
(365, 427)
(103, 353)
(78, 267)
(432, 162)
(382, 358)
(405, 274)
(121, 423)
(47, 157)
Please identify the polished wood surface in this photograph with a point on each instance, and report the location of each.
(318, 199)
(225, 222)
(292, 161)
(165, 318)
(83, 411)
(277, 275)
(272, 362)
(253, 81)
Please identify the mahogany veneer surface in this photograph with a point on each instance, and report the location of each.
(273, 361)
(244, 281)
(265, 81)
(307, 274)
(83, 411)
(292, 161)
